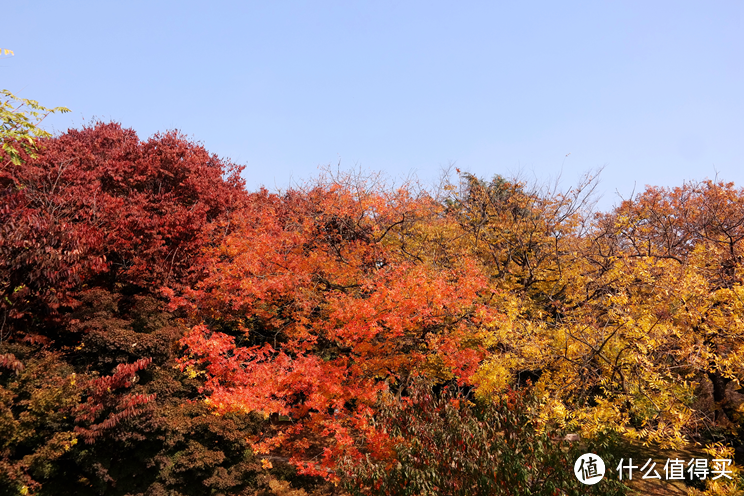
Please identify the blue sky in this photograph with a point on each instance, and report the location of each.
(653, 91)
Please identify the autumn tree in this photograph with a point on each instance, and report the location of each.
(619, 320)
(102, 208)
(680, 254)
(321, 300)
(326, 324)
(90, 229)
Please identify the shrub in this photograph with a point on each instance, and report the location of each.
(444, 444)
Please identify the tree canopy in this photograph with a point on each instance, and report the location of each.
(165, 331)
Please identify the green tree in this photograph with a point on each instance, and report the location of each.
(19, 125)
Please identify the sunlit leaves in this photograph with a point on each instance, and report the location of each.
(622, 318)
(324, 298)
(19, 121)
(331, 303)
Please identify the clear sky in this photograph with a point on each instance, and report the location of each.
(651, 90)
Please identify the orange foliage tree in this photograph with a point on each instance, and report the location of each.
(321, 300)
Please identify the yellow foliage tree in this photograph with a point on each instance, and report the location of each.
(622, 321)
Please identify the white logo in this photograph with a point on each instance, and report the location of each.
(589, 468)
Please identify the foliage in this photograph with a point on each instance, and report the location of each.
(19, 127)
(92, 227)
(174, 447)
(493, 287)
(164, 331)
(621, 319)
(100, 208)
(722, 486)
(336, 309)
(447, 445)
(36, 418)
